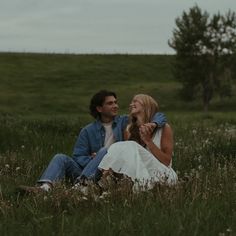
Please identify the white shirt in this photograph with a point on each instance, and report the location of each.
(109, 136)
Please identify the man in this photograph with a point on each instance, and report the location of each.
(91, 144)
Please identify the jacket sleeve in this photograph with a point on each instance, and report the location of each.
(82, 149)
(160, 119)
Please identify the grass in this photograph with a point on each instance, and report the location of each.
(43, 105)
(59, 85)
(202, 204)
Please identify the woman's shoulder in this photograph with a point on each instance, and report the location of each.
(166, 129)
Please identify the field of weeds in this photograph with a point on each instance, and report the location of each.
(202, 203)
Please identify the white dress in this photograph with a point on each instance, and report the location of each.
(131, 159)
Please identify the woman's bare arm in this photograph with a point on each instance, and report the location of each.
(163, 154)
(126, 133)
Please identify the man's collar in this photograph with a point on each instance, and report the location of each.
(99, 123)
(115, 120)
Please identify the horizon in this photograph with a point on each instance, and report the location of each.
(95, 26)
(85, 54)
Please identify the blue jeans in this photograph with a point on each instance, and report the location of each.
(61, 166)
(91, 168)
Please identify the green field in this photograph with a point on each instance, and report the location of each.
(59, 85)
(44, 102)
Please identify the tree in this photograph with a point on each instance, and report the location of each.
(205, 53)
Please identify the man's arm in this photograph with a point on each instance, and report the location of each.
(159, 119)
(82, 151)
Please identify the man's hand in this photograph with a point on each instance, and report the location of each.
(93, 154)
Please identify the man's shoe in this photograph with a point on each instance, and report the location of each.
(23, 189)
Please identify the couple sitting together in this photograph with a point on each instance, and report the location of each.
(138, 146)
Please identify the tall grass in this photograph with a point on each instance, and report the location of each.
(203, 202)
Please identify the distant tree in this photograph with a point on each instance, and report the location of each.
(205, 53)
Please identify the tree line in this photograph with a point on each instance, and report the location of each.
(205, 54)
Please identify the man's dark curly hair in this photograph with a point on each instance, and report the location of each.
(97, 100)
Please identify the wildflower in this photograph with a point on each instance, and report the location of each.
(7, 166)
(231, 132)
(199, 158)
(22, 146)
(221, 234)
(104, 195)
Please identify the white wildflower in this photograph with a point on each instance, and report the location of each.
(225, 51)
(221, 30)
(199, 158)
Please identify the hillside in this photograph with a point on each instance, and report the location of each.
(59, 84)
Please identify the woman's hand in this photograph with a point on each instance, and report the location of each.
(146, 131)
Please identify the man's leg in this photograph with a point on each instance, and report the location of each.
(60, 166)
(91, 168)
(88, 173)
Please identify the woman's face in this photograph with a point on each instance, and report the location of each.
(136, 107)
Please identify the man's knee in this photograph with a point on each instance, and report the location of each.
(102, 152)
(59, 157)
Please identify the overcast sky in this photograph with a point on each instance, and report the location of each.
(95, 26)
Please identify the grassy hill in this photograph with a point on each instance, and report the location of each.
(59, 84)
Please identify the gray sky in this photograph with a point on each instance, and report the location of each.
(95, 26)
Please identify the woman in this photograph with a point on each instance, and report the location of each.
(145, 157)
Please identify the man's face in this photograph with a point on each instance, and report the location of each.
(109, 109)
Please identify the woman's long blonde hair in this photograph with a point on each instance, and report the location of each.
(150, 108)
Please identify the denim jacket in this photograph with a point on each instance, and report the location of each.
(91, 137)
